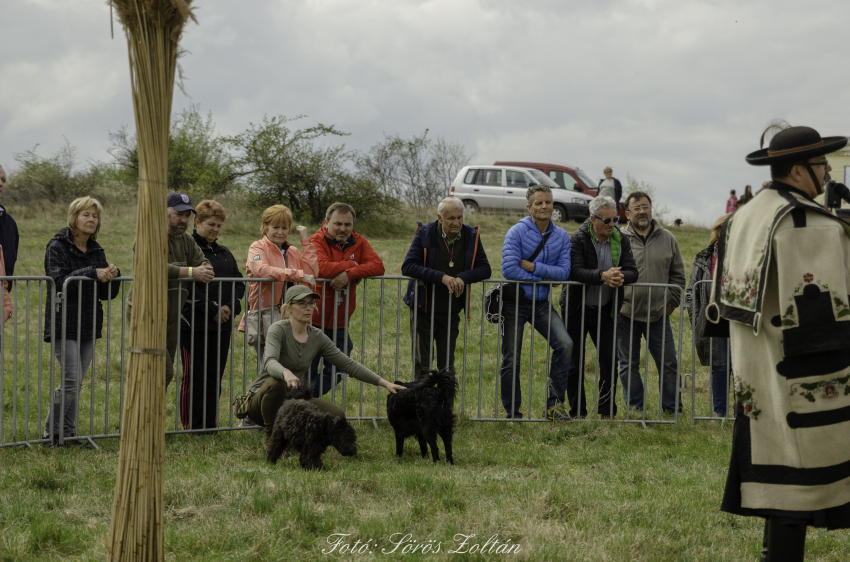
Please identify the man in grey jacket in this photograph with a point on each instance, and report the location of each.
(646, 310)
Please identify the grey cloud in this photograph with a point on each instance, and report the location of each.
(675, 93)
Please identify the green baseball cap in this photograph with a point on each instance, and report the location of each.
(298, 292)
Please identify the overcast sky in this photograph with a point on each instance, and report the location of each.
(674, 92)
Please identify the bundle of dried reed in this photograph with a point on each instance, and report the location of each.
(153, 29)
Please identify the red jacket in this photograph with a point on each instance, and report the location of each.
(357, 258)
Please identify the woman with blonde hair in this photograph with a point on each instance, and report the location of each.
(292, 344)
(712, 351)
(207, 324)
(272, 257)
(74, 252)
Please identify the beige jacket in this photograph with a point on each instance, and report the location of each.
(658, 261)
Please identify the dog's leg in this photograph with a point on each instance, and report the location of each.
(399, 444)
(423, 445)
(276, 445)
(430, 437)
(446, 434)
(310, 462)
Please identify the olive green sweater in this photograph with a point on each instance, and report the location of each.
(283, 351)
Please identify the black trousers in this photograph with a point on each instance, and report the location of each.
(445, 332)
(193, 393)
(604, 344)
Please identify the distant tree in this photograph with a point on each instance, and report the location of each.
(60, 178)
(198, 158)
(417, 170)
(295, 167)
(659, 211)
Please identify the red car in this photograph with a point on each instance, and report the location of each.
(567, 177)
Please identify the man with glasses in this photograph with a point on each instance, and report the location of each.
(601, 259)
(782, 285)
(645, 311)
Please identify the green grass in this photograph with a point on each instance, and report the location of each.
(588, 491)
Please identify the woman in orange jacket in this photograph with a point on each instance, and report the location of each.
(272, 257)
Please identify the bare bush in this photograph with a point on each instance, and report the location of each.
(38, 180)
(419, 171)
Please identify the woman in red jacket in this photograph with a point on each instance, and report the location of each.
(272, 257)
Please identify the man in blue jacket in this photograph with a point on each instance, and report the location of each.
(535, 250)
(445, 257)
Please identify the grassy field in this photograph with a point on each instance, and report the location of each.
(588, 491)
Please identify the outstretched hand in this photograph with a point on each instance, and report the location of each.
(390, 386)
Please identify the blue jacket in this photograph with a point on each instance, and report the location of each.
(552, 264)
(419, 262)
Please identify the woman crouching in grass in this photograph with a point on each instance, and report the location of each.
(291, 345)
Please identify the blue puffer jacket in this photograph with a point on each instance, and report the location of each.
(552, 264)
(419, 262)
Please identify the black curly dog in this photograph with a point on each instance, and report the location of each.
(425, 410)
(306, 429)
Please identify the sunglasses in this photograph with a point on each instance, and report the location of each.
(607, 221)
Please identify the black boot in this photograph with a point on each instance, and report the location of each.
(786, 540)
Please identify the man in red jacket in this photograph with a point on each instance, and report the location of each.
(344, 257)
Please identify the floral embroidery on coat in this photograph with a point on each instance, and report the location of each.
(832, 388)
(742, 291)
(744, 394)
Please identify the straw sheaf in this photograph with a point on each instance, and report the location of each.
(171, 14)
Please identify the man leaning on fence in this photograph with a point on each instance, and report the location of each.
(535, 250)
(445, 257)
(645, 311)
(345, 258)
(782, 283)
(186, 262)
(601, 259)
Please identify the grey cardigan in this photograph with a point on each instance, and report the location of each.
(283, 351)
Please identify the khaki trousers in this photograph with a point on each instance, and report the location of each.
(264, 404)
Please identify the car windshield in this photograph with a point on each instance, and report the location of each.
(543, 178)
(586, 179)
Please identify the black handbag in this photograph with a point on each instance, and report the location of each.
(505, 292)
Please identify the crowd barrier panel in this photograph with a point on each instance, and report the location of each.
(726, 386)
(11, 419)
(104, 387)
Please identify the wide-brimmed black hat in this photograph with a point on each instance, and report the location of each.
(795, 144)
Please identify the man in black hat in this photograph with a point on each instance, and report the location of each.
(782, 285)
(185, 261)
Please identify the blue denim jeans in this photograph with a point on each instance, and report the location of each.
(322, 384)
(659, 331)
(720, 379)
(547, 323)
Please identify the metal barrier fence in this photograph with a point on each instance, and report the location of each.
(486, 367)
